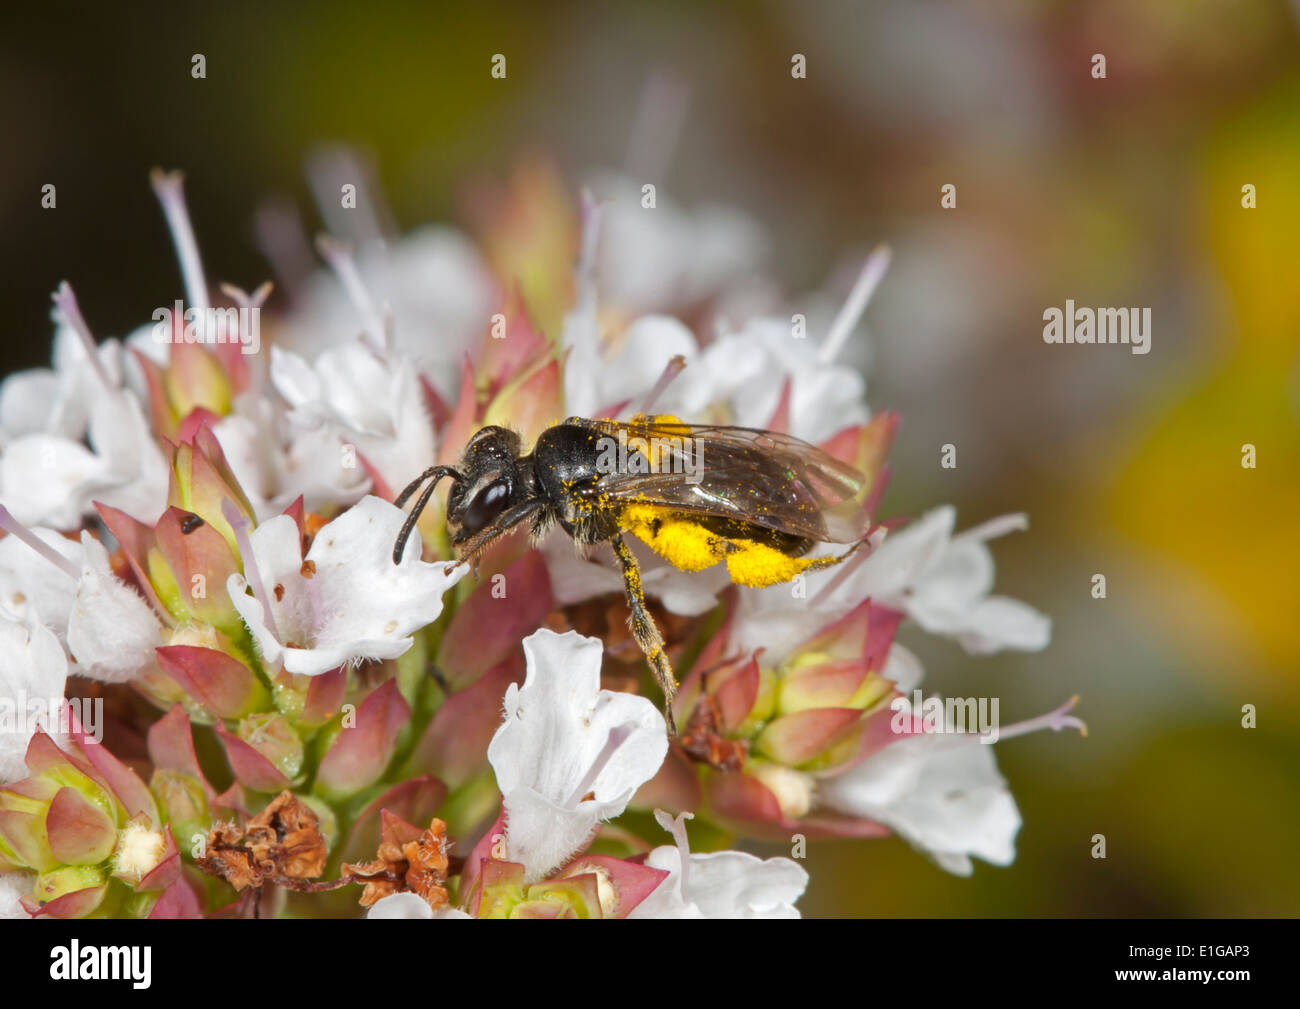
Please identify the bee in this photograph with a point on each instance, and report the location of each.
(698, 495)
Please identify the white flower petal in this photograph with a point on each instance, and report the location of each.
(29, 583)
(44, 480)
(640, 358)
(575, 578)
(293, 378)
(276, 461)
(356, 604)
(434, 283)
(112, 631)
(26, 401)
(903, 668)
(13, 887)
(942, 794)
(410, 905)
(736, 884)
(377, 406)
(943, 582)
(653, 260)
(721, 884)
(250, 610)
(565, 738)
(32, 668)
(999, 622)
(361, 594)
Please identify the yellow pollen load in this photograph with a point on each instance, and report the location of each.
(689, 546)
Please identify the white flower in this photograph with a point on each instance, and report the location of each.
(569, 754)
(747, 370)
(112, 631)
(276, 461)
(575, 578)
(601, 376)
(375, 404)
(349, 602)
(431, 288)
(943, 582)
(410, 905)
(51, 477)
(53, 401)
(13, 887)
(720, 884)
(32, 669)
(33, 582)
(108, 628)
(739, 377)
(941, 793)
(652, 260)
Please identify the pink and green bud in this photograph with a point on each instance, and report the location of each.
(265, 752)
(222, 685)
(531, 401)
(81, 820)
(364, 743)
(68, 892)
(201, 480)
(182, 802)
(188, 566)
(309, 702)
(504, 894)
(490, 624)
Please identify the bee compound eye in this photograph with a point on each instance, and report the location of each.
(486, 505)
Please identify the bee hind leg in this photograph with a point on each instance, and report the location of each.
(644, 630)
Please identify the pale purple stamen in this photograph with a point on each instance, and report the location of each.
(245, 300)
(671, 370)
(239, 525)
(15, 528)
(282, 239)
(328, 171)
(169, 187)
(677, 827)
(66, 302)
(1000, 526)
(586, 271)
(856, 303)
(617, 737)
(1056, 720)
(339, 257)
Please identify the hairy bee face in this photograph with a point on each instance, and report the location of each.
(489, 483)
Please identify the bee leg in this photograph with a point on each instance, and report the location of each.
(644, 630)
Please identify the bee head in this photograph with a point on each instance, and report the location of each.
(489, 482)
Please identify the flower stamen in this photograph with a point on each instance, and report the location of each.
(856, 303)
(169, 187)
(239, 525)
(377, 325)
(1056, 720)
(617, 737)
(66, 303)
(15, 528)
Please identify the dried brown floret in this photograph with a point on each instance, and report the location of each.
(280, 844)
(703, 739)
(409, 860)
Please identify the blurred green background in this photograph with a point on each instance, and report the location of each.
(1123, 191)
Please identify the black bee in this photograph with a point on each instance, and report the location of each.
(698, 495)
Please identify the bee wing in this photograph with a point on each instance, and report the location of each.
(765, 478)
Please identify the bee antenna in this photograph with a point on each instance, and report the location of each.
(437, 473)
